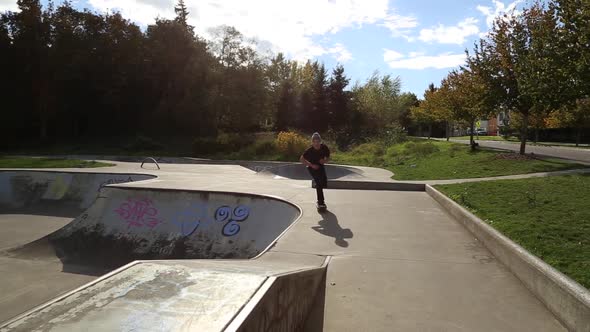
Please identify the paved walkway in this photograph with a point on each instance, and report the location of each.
(576, 154)
(400, 262)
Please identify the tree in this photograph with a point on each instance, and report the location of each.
(182, 15)
(518, 65)
(573, 48)
(378, 101)
(320, 115)
(464, 94)
(423, 114)
(337, 98)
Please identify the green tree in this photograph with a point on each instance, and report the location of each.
(337, 98)
(182, 14)
(519, 65)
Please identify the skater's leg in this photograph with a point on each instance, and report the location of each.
(323, 177)
(320, 195)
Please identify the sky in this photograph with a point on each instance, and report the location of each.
(418, 40)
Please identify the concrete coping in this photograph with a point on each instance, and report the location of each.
(565, 298)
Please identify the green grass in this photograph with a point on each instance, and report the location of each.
(437, 160)
(547, 216)
(27, 162)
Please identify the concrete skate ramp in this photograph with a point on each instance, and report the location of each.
(196, 295)
(50, 193)
(126, 224)
(299, 172)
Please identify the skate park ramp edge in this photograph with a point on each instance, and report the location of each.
(126, 223)
(199, 295)
(299, 172)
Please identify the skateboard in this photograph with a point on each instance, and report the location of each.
(322, 208)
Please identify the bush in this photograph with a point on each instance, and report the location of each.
(393, 135)
(143, 143)
(290, 144)
(232, 142)
(224, 143)
(264, 147)
(204, 146)
(420, 149)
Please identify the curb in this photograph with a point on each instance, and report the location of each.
(565, 298)
(370, 185)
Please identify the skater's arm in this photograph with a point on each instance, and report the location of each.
(326, 158)
(307, 163)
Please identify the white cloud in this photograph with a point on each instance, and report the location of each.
(288, 26)
(451, 34)
(417, 60)
(340, 53)
(498, 9)
(400, 26)
(8, 5)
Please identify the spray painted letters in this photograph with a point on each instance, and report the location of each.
(138, 213)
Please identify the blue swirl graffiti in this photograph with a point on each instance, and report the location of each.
(231, 218)
(189, 220)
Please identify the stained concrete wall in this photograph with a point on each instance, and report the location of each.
(283, 303)
(126, 224)
(19, 189)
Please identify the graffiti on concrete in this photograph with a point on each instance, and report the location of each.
(189, 219)
(114, 181)
(232, 218)
(139, 212)
(57, 188)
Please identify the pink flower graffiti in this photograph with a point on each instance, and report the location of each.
(139, 212)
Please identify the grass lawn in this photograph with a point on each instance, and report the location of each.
(547, 216)
(437, 160)
(27, 162)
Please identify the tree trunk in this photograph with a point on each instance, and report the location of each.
(471, 140)
(447, 130)
(523, 133)
(429, 130)
(419, 130)
(536, 135)
(578, 136)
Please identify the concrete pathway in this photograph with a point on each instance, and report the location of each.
(506, 177)
(576, 154)
(400, 262)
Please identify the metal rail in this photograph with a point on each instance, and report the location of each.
(150, 159)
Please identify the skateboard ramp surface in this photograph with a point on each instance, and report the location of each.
(126, 223)
(299, 172)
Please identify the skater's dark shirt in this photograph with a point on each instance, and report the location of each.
(314, 156)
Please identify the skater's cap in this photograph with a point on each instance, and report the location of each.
(316, 135)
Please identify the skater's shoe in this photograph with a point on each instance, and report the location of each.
(321, 207)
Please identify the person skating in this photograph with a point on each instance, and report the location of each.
(315, 157)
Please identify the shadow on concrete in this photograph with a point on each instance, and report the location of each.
(329, 226)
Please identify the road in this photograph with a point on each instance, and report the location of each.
(576, 154)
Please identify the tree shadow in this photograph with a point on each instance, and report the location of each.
(329, 226)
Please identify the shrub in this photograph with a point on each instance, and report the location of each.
(393, 135)
(264, 147)
(204, 146)
(290, 144)
(143, 143)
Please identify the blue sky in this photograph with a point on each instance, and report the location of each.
(419, 40)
